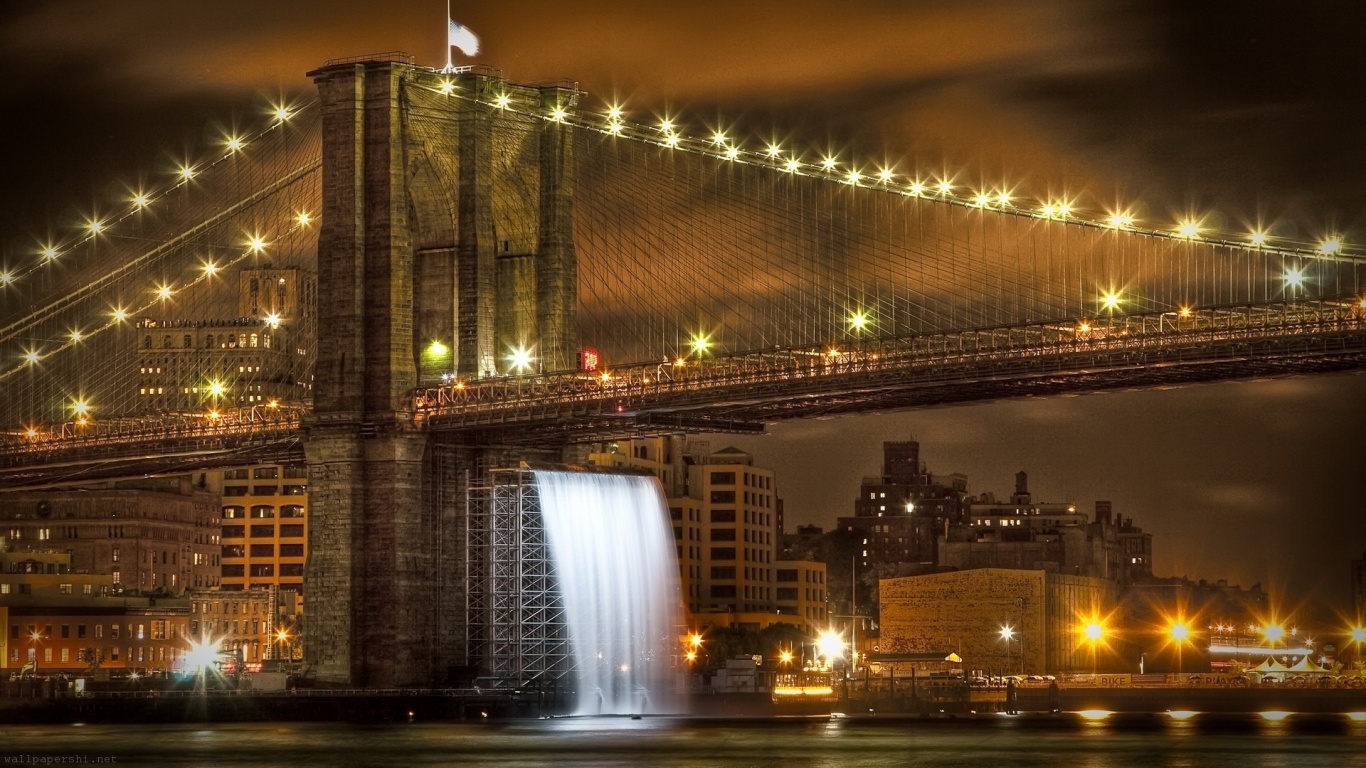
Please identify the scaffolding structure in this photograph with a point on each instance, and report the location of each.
(515, 628)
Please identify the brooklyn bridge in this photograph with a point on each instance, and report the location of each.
(424, 274)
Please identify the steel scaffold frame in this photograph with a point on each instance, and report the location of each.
(515, 626)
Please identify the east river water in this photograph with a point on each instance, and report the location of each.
(1061, 742)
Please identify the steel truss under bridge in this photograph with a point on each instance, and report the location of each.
(516, 625)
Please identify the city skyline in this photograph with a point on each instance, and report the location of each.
(1081, 104)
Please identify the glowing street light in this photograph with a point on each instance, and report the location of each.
(1188, 230)
(1294, 278)
(700, 344)
(830, 645)
(1109, 300)
(520, 357)
(1273, 632)
(858, 321)
(1331, 246)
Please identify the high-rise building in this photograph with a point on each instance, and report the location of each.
(257, 357)
(725, 515)
(265, 525)
(900, 515)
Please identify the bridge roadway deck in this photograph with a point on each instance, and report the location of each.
(742, 392)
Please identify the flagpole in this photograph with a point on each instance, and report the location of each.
(449, 62)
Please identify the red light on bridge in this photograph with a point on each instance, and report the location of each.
(589, 359)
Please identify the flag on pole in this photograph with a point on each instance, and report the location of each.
(462, 38)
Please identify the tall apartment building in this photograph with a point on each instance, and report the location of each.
(900, 515)
(265, 525)
(726, 516)
(256, 357)
(149, 536)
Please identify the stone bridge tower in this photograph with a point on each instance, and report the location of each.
(446, 243)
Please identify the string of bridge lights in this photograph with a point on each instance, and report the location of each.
(160, 293)
(668, 134)
(141, 199)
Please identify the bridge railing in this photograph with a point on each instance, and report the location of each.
(929, 357)
(256, 420)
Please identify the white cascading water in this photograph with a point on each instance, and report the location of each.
(612, 546)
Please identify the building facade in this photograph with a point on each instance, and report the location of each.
(239, 620)
(901, 514)
(966, 612)
(150, 537)
(265, 515)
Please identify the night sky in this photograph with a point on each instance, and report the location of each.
(1244, 112)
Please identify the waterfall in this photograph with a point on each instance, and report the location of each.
(613, 552)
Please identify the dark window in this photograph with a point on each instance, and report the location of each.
(296, 470)
(676, 513)
(263, 569)
(291, 531)
(234, 531)
(234, 490)
(723, 590)
(723, 497)
(291, 550)
(265, 490)
(230, 571)
(291, 510)
(266, 473)
(723, 534)
(723, 571)
(292, 569)
(787, 593)
(262, 531)
(723, 553)
(787, 574)
(262, 550)
(723, 515)
(234, 550)
(723, 478)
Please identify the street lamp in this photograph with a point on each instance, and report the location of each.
(830, 645)
(1008, 634)
(1180, 633)
(1094, 632)
(1358, 637)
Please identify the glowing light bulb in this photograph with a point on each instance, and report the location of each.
(980, 200)
(1294, 277)
(828, 163)
(447, 87)
(1064, 209)
(853, 177)
(792, 166)
(718, 138)
(1258, 239)
(615, 128)
(32, 356)
(164, 292)
(502, 100)
(120, 314)
(1331, 245)
(77, 336)
(304, 219)
(858, 321)
(1110, 300)
(774, 150)
(234, 144)
(732, 153)
(700, 343)
(217, 388)
(672, 141)
(81, 407)
(558, 114)
(210, 268)
(140, 200)
(1188, 230)
(1184, 312)
(1003, 198)
(917, 189)
(273, 320)
(520, 358)
(1118, 220)
(1049, 210)
(186, 172)
(944, 187)
(614, 112)
(282, 113)
(666, 125)
(49, 253)
(256, 244)
(885, 175)
(6, 278)
(95, 227)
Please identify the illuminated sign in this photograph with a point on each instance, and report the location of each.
(589, 359)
